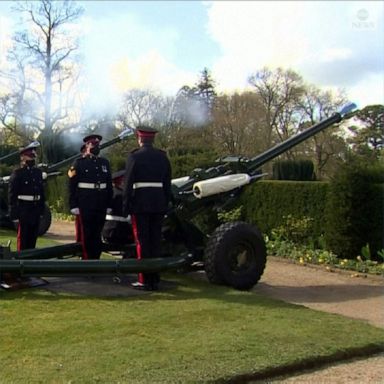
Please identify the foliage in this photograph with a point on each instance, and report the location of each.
(235, 214)
(297, 230)
(267, 201)
(301, 170)
(368, 136)
(306, 254)
(355, 209)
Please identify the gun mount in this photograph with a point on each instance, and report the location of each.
(48, 171)
(233, 254)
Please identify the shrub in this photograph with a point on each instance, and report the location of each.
(354, 211)
(294, 170)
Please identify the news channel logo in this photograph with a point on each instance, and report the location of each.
(363, 19)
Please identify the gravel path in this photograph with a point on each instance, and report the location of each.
(347, 294)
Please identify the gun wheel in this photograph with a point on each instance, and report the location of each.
(235, 255)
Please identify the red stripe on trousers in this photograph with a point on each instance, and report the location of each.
(138, 245)
(19, 236)
(80, 224)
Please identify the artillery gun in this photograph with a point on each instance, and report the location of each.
(48, 171)
(233, 254)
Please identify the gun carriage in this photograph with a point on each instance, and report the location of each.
(233, 254)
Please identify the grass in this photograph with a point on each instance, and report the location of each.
(196, 332)
(6, 235)
(193, 333)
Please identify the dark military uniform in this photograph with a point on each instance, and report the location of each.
(90, 190)
(27, 202)
(117, 228)
(147, 192)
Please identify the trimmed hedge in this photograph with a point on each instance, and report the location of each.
(355, 211)
(266, 202)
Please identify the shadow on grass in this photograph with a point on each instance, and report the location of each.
(333, 293)
(174, 287)
(305, 365)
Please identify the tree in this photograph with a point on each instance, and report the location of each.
(368, 134)
(279, 92)
(139, 107)
(193, 105)
(316, 105)
(236, 127)
(44, 50)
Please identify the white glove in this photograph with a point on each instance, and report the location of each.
(16, 221)
(75, 211)
(109, 210)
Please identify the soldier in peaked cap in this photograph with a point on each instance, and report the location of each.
(27, 197)
(146, 195)
(90, 195)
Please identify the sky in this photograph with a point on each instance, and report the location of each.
(163, 45)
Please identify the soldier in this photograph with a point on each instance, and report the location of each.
(146, 195)
(90, 195)
(27, 198)
(117, 228)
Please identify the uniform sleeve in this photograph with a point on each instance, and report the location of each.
(13, 192)
(128, 185)
(72, 186)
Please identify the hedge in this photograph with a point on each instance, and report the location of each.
(266, 202)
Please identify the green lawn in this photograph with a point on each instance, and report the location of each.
(193, 332)
(6, 235)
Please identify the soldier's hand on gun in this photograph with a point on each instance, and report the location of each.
(109, 210)
(75, 211)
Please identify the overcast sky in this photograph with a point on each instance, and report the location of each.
(164, 45)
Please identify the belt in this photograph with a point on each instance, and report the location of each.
(29, 197)
(147, 185)
(118, 218)
(92, 185)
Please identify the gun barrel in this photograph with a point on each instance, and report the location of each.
(5, 157)
(280, 148)
(107, 144)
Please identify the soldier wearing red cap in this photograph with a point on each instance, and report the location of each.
(90, 195)
(146, 195)
(27, 197)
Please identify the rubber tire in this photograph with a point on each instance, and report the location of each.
(45, 221)
(226, 245)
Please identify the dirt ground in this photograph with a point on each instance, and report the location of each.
(347, 294)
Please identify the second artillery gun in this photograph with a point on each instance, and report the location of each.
(48, 171)
(233, 254)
